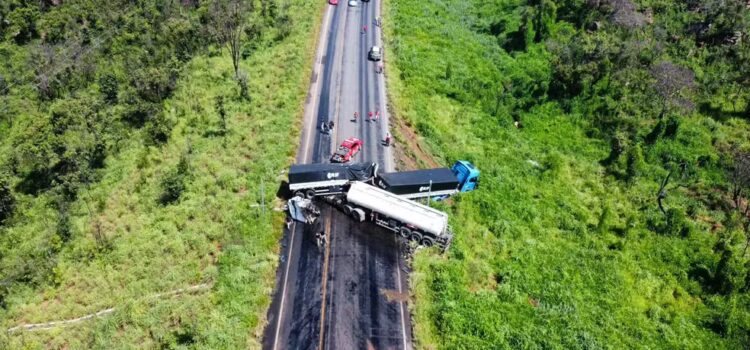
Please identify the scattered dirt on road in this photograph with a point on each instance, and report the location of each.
(394, 295)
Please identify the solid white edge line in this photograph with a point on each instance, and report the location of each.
(321, 47)
(389, 167)
(310, 113)
(401, 303)
(283, 290)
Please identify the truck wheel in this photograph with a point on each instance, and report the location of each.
(427, 242)
(405, 232)
(299, 194)
(416, 237)
(348, 209)
(358, 214)
(309, 194)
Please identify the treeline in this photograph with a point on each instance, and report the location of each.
(81, 79)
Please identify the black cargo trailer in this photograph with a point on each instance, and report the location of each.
(312, 180)
(419, 183)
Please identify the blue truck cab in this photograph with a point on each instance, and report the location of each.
(467, 175)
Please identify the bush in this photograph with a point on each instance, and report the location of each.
(730, 271)
(7, 200)
(677, 223)
(673, 125)
(174, 183)
(243, 80)
(108, 86)
(221, 110)
(22, 24)
(158, 129)
(635, 164)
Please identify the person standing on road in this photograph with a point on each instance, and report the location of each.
(388, 139)
(377, 115)
(356, 114)
(330, 125)
(364, 29)
(369, 116)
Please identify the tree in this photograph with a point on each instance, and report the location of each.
(739, 176)
(227, 19)
(22, 23)
(108, 86)
(661, 195)
(7, 201)
(672, 83)
(625, 14)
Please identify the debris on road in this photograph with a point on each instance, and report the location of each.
(303, 210)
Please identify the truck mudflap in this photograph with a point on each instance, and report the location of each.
(303, 210)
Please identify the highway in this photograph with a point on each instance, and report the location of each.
(349, 294)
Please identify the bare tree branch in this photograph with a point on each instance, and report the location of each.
(228, 19)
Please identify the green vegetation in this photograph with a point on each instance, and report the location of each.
(612, 137)
(138, 159)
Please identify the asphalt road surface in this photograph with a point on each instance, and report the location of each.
(347, 294)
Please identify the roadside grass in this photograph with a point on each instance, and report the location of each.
(551, 251)
(126, 246)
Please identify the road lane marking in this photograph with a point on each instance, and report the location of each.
(322, 41)
(315, 88)
(389, 161)
(327, 248)
(332, 268)
(400, 291)
(283, 290)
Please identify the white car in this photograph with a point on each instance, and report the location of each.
(376, 54)
(353, 3)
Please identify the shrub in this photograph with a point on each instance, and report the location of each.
(174, 183)
(7, 200)
(673, 125)
(635, 163)
(730, 271)
(108, 86)
(221, 110)
(243, 80)
(677, 223)
(22, 24)
(158, 129)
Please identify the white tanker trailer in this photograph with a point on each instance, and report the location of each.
(411, 220)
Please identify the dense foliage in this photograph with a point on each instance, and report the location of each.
(133, 162)
(612, 136)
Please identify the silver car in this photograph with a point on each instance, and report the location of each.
(353, 3)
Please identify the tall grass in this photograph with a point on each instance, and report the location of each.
(551, 251)
(222, 230)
